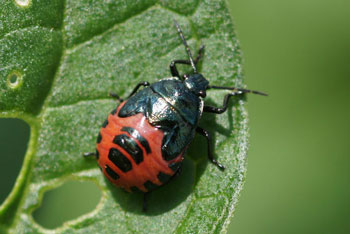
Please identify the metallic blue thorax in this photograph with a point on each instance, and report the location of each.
(172, 106)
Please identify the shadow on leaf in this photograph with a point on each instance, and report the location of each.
(161, 200)
(170, 195)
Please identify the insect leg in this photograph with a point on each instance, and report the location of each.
(142, 83)
(144, 208)
(169, 149)
(236, 91)
(173, 69)
(220, 110)
(89, 154)
(199, 55)
(178, 172)
(116, 96)
(207, 135)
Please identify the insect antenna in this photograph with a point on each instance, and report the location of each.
(186, 46)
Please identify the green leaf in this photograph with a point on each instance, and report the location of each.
(59, 60)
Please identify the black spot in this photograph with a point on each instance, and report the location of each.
(105, 123)
(114, 111)
(97, 154)
(174, 166)
(149, 185)
(119, 160)
(130, 146)
(163, 177)
(134, 133)
(135, 189)
(112, 173)
(99, 138)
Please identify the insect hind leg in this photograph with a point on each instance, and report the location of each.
(145, 201)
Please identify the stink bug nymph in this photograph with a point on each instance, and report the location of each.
(143, 141)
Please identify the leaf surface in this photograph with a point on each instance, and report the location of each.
(58, 62)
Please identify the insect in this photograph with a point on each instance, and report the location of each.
(143, 141)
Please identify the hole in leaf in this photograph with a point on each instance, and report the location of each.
(14, 79)
(67, 202)
(14, 137)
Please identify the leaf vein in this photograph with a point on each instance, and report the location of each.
(111, 28)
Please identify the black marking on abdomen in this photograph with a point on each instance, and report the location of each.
(149, 185)
(163, 177)
(119, 159)
(134, 133)
(130, 146)
(112, 173)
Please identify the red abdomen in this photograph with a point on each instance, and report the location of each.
(130, 153)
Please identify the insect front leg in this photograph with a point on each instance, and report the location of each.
(173, 70)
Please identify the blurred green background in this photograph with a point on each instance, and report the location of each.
(298, 177)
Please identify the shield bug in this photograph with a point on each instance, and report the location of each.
(143, 141)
